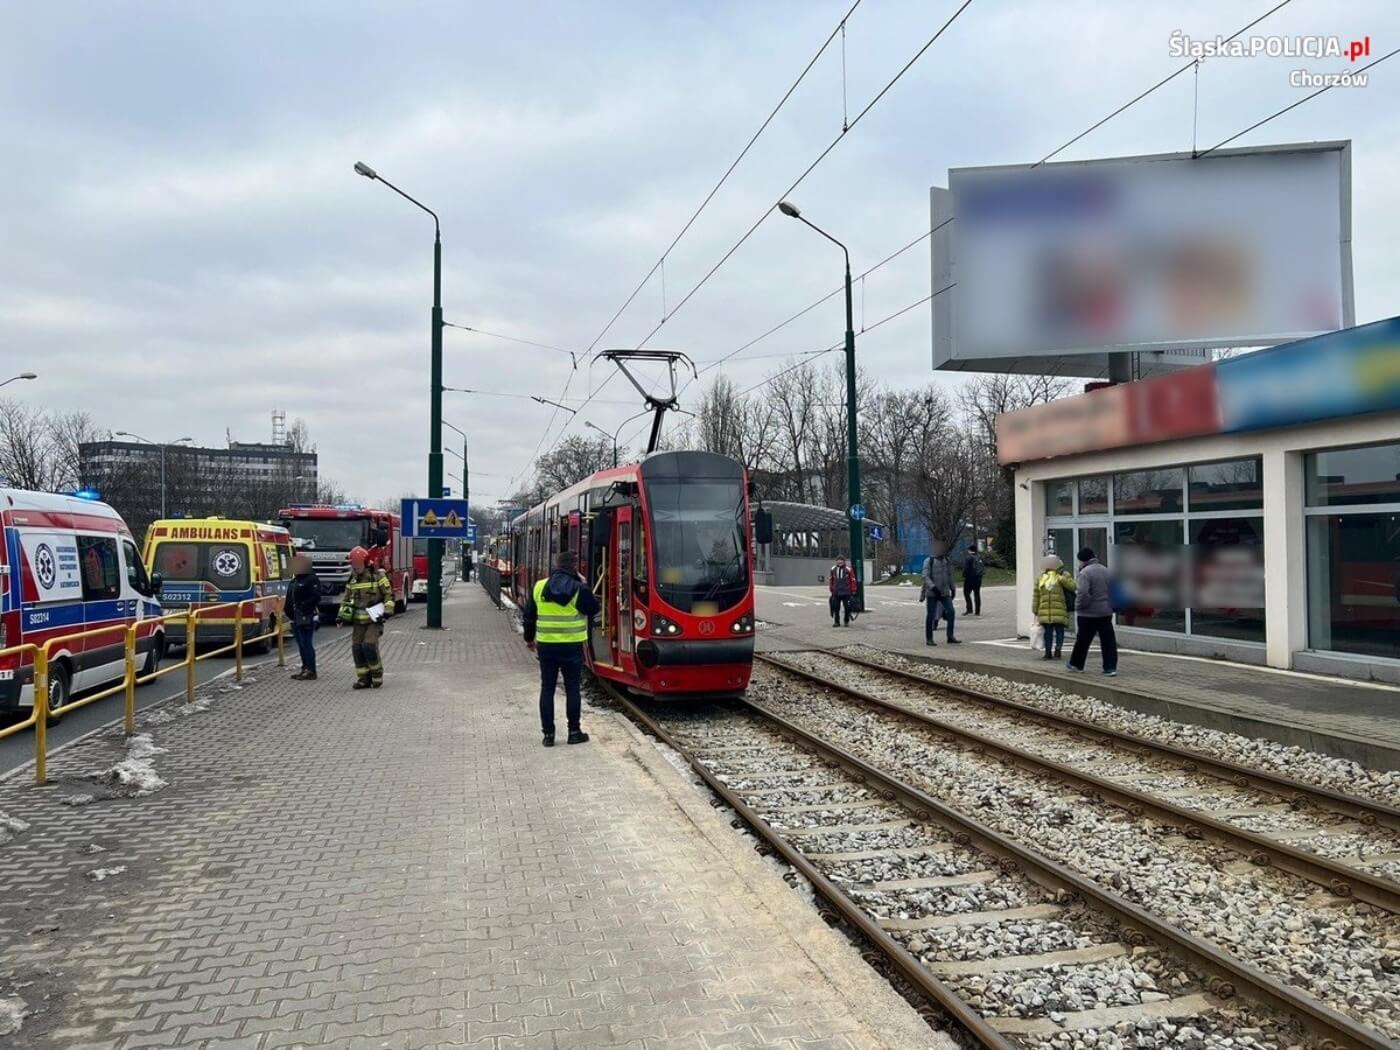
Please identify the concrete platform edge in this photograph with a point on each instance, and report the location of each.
(1336, 745)
(866, 994)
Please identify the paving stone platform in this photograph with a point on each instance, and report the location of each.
(409, 868)
(1334, 716)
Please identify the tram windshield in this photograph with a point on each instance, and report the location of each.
(702, 562)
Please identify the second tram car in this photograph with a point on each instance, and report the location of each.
(666, 546)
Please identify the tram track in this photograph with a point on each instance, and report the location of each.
(1206, 797)
(1018, 948)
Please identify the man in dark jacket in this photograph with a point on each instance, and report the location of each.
(841, 582)
(937, 591)
(1094, 608)
(556, 629)
(304, 607)
(972, 581)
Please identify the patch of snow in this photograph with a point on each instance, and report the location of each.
(77, 800)
(10, 827)
(136, 774)
(98, 874)
(13, 1011)
(158, 718)
(93, 847)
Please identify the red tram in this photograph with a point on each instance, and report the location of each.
(665, 545)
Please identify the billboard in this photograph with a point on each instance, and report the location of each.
(1049, 269)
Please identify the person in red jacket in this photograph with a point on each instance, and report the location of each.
(841, 582)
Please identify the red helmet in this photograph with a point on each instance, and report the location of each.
(359, 554)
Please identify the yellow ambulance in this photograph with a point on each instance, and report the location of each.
(215, 561)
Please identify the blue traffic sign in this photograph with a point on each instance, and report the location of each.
(446, 492)
(436, 519)
(877, 532)
(857, 511)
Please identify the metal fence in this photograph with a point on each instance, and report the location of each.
(490, 578)
(40, 658)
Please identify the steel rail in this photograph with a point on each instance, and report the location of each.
(1368, 811)
(900, 957)
(1227, 974)
(1340, 879)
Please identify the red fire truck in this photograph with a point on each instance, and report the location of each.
(328, 534)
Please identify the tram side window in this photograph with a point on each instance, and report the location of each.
(101, 569)
(639, 564)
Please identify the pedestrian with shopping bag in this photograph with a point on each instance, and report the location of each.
(1051, 603)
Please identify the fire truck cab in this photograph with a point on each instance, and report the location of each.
(328, 534)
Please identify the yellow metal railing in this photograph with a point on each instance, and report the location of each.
(42, 656)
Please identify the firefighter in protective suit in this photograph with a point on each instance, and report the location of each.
(368, 587)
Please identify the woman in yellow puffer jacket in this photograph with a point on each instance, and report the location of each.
(1050, 604)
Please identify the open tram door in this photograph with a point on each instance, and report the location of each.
(602, 565)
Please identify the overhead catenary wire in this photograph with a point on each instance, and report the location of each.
(1160, 84)
(809, 169)
(1294, 105)
(840, 28)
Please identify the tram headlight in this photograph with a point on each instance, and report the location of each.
(662, 627)
(743, 625)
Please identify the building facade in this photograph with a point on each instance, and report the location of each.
(1251, 507)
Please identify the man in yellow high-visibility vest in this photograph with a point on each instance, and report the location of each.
(556, 629)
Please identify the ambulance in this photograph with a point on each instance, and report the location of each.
(67, 566)
(214, 561)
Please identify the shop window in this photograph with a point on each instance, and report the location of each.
(1233, 485)
(1148, 492)
(1093, 496)
(1354, 583)
(1059, 498)
(1227, 578)
(1149, 561)
(1351, 476)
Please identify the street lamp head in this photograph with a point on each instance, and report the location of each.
(122, 433)
(28, 375)
(789, 209)
(182, 441)
(361, 168)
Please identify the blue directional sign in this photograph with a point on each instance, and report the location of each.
(446, 492)
(877, 532)
(471, 533)
(857, 511)
(436, 519)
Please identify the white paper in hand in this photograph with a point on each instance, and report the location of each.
(376, 612)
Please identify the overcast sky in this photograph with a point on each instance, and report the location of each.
(185, 246)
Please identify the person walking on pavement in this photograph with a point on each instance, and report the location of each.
(368, 602)
(937, 592)
(1050, 604)
(973, 569)
(556, 629)
(841, 582)
(1094, 606)
(304, 603)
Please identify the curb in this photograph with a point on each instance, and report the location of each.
(1371, 753)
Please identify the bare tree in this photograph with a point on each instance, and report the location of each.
(26, 447)
(985, 398)
(733, 425)
(571, 460)
(945, 485)
(892, 439)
